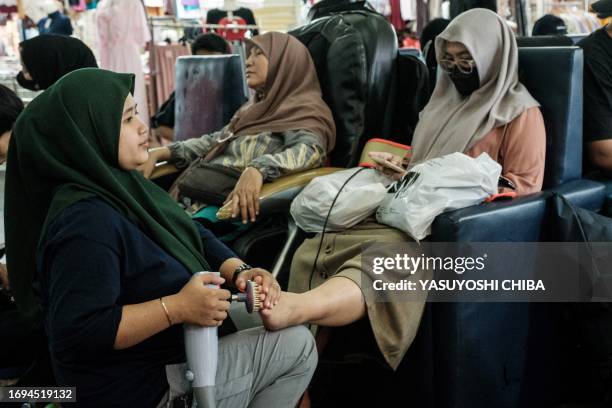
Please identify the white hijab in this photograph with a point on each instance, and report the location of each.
(452, 123)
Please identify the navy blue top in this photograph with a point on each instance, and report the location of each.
(91, 262)
(60, 24)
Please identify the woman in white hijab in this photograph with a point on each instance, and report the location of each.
(478, 106)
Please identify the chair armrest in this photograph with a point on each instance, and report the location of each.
(163, 169)
(518, 220)
(277, 195)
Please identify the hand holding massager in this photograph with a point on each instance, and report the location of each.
(202, 347)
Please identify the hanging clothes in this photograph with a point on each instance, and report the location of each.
(422, 15)
(164, 57)
(232, 34)
(408, 9)
(381, 6)
(8, 6)
(396, 15)
(122, 33)
(78, 5)
(435, 9)
(579, 21)
(215, 16)
(169, 7)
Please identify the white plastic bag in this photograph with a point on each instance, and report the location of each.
(358, 199)
(446, 183)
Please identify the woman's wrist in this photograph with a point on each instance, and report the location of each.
(228, 267)
(173, 308)
(261, 170)
(160, 153)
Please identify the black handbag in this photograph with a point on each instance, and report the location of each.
(590, 323)
(207, 183)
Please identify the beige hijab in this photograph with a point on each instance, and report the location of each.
(291, 98)
(452, 123)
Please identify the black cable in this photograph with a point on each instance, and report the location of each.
(314, 264)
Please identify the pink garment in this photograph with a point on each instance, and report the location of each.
(169, 7)
(520, 148)
(81, 6)
(122, 33)
(165, 57)
(396, 15)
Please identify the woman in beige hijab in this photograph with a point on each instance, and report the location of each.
(478, 106)
(285, 128)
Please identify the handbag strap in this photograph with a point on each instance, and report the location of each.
(583, 235)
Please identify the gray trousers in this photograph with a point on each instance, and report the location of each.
(258, 368)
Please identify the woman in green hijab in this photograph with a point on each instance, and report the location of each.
(107, 258)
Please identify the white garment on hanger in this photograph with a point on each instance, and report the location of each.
(154, 3)
(446, 10)
(435, 9)
(381, 6)
(408, 9)
(122, 33)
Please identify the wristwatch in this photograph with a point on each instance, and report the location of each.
(239, 270)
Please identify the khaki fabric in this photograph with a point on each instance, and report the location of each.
(394, 324)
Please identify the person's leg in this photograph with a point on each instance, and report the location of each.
(336, 302)
(258, 368)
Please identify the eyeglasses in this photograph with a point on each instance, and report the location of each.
(465, 66)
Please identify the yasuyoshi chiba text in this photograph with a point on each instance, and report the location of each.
(469, 285)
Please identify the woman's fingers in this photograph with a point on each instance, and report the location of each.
(235, 205)
(244, 207)
(251, 205)
(228, 198)
(256, 199)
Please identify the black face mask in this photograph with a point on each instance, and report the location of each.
(23, 82)
(466, 84)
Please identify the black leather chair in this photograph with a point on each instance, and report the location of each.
(576, 38)
(354, 53)
(501, 354)
(412, 91)
(326, 8)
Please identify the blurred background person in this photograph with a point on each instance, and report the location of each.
(549, 25)
(46, 58)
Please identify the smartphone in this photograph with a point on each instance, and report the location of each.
(506, 182)
(388, 164)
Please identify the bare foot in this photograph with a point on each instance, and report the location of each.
(285, 314)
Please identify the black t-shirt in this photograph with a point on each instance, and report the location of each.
(214, 16)
(597, 86)
(92, 261)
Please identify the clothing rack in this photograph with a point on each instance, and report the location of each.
(542, 7)
(211, 26)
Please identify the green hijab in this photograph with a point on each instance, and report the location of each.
(65, 149)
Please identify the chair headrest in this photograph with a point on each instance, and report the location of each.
(209, 90)
(559, 91)
(327, 7)
(354, 54)
(545, 41)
